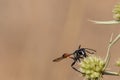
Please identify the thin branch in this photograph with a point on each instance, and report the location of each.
(107, 59)
(111, 43)
(111, 73)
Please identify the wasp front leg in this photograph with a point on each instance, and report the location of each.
(72, 65)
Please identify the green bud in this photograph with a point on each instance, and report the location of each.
(118, 63)
(116, 12)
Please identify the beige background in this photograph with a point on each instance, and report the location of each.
(34, 32)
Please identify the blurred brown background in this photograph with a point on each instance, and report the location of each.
(34, 32)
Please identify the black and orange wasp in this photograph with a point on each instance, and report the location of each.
(78, 54)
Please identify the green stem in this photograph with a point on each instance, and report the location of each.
(107, 59)
(111, 43)
(111, 73)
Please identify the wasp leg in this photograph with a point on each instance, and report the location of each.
(89, 52)
(90, 49)
(72, 65)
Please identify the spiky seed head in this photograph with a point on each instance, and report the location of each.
(118, 63)
(92, 67)
(116, 12)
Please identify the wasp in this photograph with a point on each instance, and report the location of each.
(77, 55)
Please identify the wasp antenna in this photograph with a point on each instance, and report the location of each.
(79, 47)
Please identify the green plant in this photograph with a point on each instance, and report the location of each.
(116, 16)
(93, 67)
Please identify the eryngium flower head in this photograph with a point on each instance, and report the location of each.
(118, 63)
(116, 12)
(92, 67)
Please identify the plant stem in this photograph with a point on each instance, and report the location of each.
(111, 73)
(107, 59)
(111, 43)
